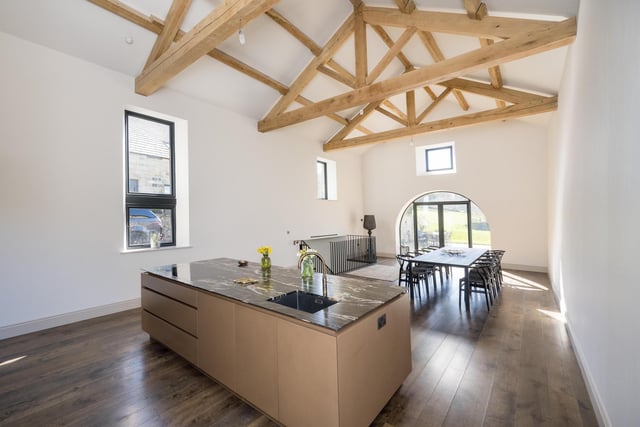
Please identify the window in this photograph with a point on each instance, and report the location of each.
(327, 183)
(435, 159)
(322, 179)
(150, 202)
(439, 159)
(442, 219)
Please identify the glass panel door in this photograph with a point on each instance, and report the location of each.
(456, 225)
(407, 240)
(427, 226)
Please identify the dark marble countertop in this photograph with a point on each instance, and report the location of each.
(356, 297)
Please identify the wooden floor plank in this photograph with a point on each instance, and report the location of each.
(511, 366)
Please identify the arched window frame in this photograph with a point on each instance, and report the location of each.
(440, 204)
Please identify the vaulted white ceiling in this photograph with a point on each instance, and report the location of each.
(87, 31)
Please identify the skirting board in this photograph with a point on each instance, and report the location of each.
(521, 267)
(598, 407)
(66, 318)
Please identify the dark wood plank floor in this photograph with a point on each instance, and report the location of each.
(511, 367)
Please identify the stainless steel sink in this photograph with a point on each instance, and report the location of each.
(303, 301)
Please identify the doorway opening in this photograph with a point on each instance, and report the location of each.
(443, 219)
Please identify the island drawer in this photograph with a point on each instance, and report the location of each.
(181, 315)
(177, 340)
(171, 289)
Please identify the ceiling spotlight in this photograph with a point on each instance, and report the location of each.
(128, 39)
(241, 37)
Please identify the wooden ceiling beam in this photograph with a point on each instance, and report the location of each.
(390, 55)
(555, 35)
(349, 81)
(410, 99)
(391, 106)
(334, 43)
(408, 66)
(478, 10)
(434, 50)
(355, 121)
(495, 75)
(273, 83)
(174, 19)
(156, 26)
(490, 27)
(122, 10)
(509, 95)
(216, 27)
(360, 45)
(433, 105)
(497, 114)
(406, 6)
(278, 18)
(393, 116)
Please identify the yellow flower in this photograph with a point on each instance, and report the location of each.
(264, 250)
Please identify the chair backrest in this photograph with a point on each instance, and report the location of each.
(404, 250)
(402, 260)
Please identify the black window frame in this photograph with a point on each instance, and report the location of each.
(148, 200)
(325, 183)
(426, 158)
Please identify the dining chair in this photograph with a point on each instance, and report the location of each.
(479, 280)
(437, 268)
(407, 275)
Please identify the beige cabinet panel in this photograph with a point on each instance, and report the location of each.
(217, 338)
(257, 369)
(374, 358)
(307, 376)
(177, 340)
(178, 314)
(171, 289)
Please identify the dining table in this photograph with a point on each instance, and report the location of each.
(460, 257)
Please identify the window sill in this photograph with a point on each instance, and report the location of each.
(166, 248)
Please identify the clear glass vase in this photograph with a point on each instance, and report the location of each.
(265, 266)
(307, 268)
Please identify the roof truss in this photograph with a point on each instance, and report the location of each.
(500, 40)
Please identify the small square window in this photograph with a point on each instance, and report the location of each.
(439, 159)
(435, 159)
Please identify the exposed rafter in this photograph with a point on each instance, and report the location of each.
(336, 71)
(434, 50)
(501, 40)
(510, 112)
(338, 39)
(156, 26)
(433, 105)
(478, 10)
(490, 27)
(200, 40)
(510, 95)
(175, 16)
(554, 35)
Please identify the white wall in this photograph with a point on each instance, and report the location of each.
(594, 204)
(502, 167)
(61, 215)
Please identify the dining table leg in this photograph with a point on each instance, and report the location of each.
(467, 288)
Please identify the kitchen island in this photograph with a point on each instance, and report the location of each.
(335, 367)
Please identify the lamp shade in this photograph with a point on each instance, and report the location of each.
(369, 222)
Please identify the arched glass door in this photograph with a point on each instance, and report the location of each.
(443, 219)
